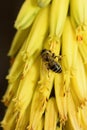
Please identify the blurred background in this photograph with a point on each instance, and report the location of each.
(8, 13)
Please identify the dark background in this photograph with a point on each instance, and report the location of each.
(8, 13)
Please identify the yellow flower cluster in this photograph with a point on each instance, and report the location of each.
(47, 81)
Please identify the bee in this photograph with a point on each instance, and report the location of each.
(49, 58)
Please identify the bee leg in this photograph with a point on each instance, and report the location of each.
(53, 55)
(60, 57)
(48, 72)
(47, 68)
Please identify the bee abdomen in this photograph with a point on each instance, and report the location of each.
(56, 68)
